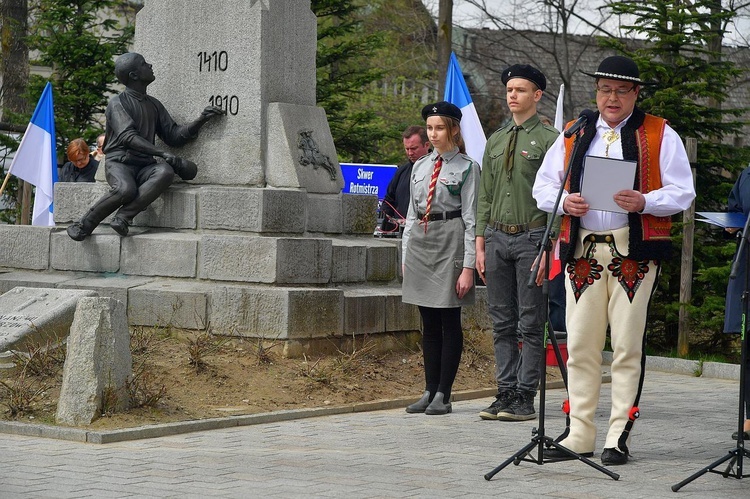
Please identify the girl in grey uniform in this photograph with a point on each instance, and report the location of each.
(439, 252)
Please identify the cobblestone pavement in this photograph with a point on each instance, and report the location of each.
(685, 425)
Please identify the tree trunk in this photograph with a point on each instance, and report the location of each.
(445, 32)
(14, 63)
(686, 261)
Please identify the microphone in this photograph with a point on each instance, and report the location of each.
(583, 118)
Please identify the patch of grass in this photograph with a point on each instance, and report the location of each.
(338, 366)
(44, 360)
(20, 393)
(263, 352)
(143, 388)
(693, 355)
(109, 401)
(478, 349)
(202, 346)
(143, 339)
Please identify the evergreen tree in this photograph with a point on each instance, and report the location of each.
(344, 68)
(376, 63)
(683, 56)
(408, 60)
(79, 41)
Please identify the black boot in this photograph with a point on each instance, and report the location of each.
(120, 225)
(438, 406)
(420, 405)
(79, 231)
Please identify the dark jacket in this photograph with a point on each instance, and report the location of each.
(396, 200)
(71, 173)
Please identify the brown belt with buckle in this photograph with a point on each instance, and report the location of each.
(519, 228)
(599, 238)
(446, 215)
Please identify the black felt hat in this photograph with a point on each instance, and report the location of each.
(441, 108)
(526, 72)
(621, 68)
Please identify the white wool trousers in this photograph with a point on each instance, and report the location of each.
(605, 288)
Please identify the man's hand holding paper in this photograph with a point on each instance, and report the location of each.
(630, 200)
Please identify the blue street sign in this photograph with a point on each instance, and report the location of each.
(367, 179)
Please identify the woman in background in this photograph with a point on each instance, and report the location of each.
(439, 251)
(81, 166)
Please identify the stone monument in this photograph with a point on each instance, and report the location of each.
(256, 60)
(36, 316)
(98, 363)
(262, 242)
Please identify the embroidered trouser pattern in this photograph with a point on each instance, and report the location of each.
(605, 288)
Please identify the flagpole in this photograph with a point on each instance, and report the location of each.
(36, 161)
(13, 163)
(5, 182)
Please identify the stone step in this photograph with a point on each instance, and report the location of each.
(205, 254)
(249, 209)
(256, 311)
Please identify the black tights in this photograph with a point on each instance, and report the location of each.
(442, 344)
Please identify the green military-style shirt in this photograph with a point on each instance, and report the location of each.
(506, 197)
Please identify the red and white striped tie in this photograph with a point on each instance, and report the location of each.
(431, 191)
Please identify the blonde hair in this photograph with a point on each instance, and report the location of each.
(453, 127)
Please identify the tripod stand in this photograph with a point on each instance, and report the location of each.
(539, 439)
(736, 455)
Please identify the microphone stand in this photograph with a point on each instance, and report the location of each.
(735, 455)
(539, 439)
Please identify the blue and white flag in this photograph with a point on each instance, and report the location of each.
(457, 93)
(559, 118)
(36, 158)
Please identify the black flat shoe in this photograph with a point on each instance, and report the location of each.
(420, 405)
(77, 232)
(745, 435)
(613, 457)
(560, 455)
(120, 226)
(437, 407)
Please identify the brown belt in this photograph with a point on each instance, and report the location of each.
(519, 228)
(446, 215)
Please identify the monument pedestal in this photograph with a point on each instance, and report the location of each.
(261, 243)
(276, 264)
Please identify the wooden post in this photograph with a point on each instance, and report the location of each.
(444, 39)
(25, 203)
(686, 262)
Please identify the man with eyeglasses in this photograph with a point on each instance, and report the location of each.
(613, 258)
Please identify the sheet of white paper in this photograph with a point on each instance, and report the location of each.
(602, 178)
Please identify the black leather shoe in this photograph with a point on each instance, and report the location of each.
(77, 232)
(438, 407)
(420, 405)
(745, 435)
(613, 457)
(560, 455)
(120, 226)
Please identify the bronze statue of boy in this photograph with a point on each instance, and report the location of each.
(135, 177)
